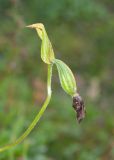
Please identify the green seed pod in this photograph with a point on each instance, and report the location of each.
(47, 53)
(66, 77)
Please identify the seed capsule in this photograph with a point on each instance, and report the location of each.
(78, 105)
(66, 77)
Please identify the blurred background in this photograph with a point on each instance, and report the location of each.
(82, 35)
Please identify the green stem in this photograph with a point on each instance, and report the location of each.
(38, 116)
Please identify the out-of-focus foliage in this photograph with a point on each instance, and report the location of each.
(82, 33)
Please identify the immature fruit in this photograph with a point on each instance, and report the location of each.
(66, 77)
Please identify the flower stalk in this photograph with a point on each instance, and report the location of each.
(38, 116)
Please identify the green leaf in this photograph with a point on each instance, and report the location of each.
(47, 53)
(66, 77)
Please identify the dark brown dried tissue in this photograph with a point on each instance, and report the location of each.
(78, 105)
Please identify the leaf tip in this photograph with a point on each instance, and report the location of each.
(36, 25)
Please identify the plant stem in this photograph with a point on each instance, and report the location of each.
(38, 116)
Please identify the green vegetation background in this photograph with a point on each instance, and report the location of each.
(82, 34)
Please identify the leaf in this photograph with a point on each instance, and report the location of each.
(47, 53)
(66, 77)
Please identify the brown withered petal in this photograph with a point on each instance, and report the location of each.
(78, 105)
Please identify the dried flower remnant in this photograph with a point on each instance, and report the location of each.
(78, 105)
